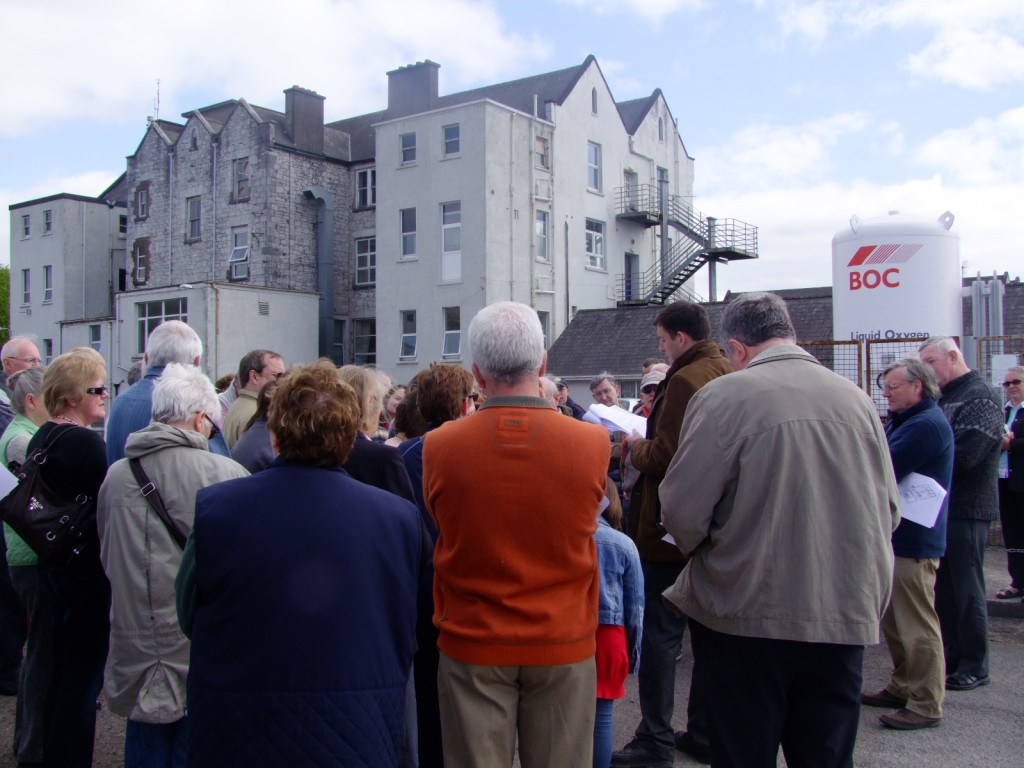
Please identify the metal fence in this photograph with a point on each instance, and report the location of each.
(844, 357)
(996, 354)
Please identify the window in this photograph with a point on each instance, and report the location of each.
(366, 261)
(26, 286)
(238, 262)
(151, 313)
(47, 222)
(240, 176)
(140, 261)
(94, 337)
(541, 232)
(195, 218)
(593, 166)
(366, 188)
(452, 346)
(193, 141)
(47, 351)
(661, 129)
(364, 341)
(408, 217)
(595, 244)
(540, 152)
(593, 100)
(408, 148)
(141, 202)
(451, 140)
(662, 184)
(26, 225)
(408, 349)
(451, 241)
(338, 343)
(122, 224)
(47, 283)
(545, 326)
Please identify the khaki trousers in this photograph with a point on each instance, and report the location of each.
(911, 629)
(484, 709)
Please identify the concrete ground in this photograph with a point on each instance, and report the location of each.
(984, 727)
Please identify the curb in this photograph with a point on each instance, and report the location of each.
(1006, 609)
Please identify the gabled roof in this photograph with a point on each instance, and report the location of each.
(617, 340)
(518, 94)
(117, 192)
(634, 111)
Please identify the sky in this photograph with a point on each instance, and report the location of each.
(799, 114)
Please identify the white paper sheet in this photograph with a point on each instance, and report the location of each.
(616, 419)
(7, 481)
(921, 499)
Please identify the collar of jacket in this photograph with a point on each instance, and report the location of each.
(705, 348)
(959, 383)
(782, 352)
(896, 419)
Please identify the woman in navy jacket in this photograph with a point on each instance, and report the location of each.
(299, 588)
(1011, 483)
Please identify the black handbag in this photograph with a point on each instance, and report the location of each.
(57, 529)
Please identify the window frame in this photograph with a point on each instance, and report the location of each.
(26, 286)
(162, 311)
(48, 221)
(407, 320)
(449, 332)
(194, 230)
(595, 245)
(447, 140)
(358, 339)
(542, 153)
(451, 257)
(594, 174)
(241, 181)
(140, 201)
(407, 237)
(541, 235)
(140, 260)
(26, 226)
(366, 187)
(366, 261)
(47, 283)
(407, 148)
(96, 337)
(239, 266)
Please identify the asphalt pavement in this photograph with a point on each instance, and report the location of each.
(983, 727)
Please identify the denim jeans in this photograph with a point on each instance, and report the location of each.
(603, 733)
(156, 745)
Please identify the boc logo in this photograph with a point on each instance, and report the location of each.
(877, 260)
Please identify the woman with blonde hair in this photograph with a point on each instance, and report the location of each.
(373, 463)
(75, 396)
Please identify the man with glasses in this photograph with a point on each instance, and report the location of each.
(920, 440)
(17, 354)
(977, 421)
(254, 370)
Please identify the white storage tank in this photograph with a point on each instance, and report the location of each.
(896, 277)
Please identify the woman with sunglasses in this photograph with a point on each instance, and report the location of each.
(75, 397)
(1011, 483)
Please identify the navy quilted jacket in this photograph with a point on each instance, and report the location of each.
(305, 588)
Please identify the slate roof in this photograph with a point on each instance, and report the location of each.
(633, 112)
(617, 340)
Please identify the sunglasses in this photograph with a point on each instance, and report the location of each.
(649, 390)
(1012, 383)
(96, 391)
(214, 429)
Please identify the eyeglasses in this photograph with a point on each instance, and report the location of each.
(96, 391)
(29, 360)
(1012, 383)
(650, 390)
(892, 388)
(474, 396)
(214, 429)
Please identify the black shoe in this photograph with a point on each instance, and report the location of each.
(961, 681)
(688, 745)
(640, 754)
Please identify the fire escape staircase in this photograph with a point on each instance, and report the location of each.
(705, 239)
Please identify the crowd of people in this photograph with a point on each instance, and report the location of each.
(315, 565)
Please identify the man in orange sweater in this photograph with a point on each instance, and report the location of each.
(514, 490)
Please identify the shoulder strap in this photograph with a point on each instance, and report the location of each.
(152, 495)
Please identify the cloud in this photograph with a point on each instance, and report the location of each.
(977, 45)
(988, 151)
(97, 61)
(655, 10)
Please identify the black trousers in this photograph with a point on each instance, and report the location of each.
(960, 597)
(763, 694)
(1011, 515)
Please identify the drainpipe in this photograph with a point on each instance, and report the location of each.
(325, 264)
(213, 259)
(170, 219)
(511, 209)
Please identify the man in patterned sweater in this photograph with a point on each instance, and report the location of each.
(976, 417)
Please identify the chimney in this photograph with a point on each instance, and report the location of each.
(304, 118)
(412, 89)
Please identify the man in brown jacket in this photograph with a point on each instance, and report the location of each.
(683, 330)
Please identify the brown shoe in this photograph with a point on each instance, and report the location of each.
(882, 699)
(905, 720)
